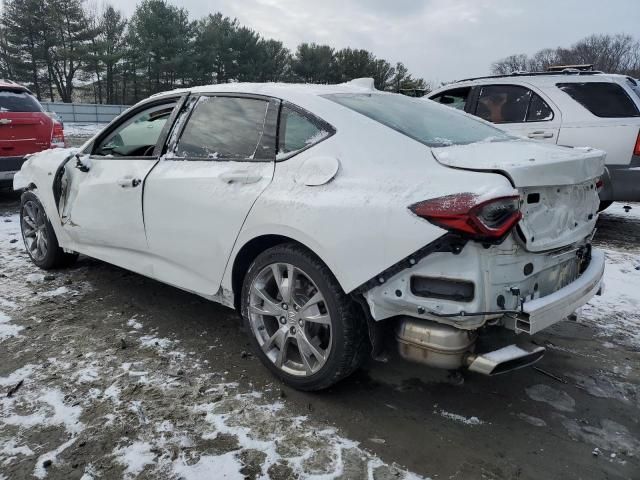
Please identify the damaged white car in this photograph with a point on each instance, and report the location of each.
(323, 212)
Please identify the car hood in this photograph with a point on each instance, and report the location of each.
(526, 163)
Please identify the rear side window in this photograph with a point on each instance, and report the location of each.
(456, 98)
(603, 99)
(298, 132)
(225, 128)
(511, 104)
(18, 102)
(424, 121)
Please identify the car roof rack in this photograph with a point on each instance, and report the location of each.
(566, 70)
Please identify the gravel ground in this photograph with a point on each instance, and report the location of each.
(107, 374)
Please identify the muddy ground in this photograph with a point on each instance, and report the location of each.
(118, 376)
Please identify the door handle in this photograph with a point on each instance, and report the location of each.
(128, 182)
(540, 134)
(240, 176)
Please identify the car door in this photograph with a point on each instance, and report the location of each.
(517, 109)
(221, 157)
(101, 201)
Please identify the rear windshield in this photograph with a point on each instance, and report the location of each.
(18, 102)
(426, 121)
(603, 99)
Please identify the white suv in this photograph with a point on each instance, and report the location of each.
(573, 108)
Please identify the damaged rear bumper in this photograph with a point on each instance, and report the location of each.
(542, 312)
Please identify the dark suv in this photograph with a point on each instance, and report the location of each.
(24, 128)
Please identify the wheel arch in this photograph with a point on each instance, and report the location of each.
(250, 251)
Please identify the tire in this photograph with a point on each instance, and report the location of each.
(302, 326)
(604, 205)
(38, 235)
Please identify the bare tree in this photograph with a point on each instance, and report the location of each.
(609, 53)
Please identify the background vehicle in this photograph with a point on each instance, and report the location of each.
(24, 129)
(576, 108)
(319, 212)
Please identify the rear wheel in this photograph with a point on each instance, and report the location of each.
(304, 328)
(39, 237)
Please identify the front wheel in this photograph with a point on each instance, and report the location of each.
(39, 237)
(304, 328)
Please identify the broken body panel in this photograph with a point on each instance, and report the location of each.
(356, 220)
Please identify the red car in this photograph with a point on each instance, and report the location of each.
(24, 128)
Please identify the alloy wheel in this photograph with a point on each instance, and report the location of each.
(34, 230)
(290, 319)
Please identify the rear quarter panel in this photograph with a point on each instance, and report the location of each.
(359, 223)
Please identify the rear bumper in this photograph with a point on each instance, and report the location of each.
(542, 312)
(8, 168)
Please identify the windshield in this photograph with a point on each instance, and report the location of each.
(423, 120)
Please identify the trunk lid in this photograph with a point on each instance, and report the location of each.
(557, 186)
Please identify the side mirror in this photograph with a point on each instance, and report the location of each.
(81, 165)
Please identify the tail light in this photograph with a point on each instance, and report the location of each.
(464, 213)
(636, 148)
(57, 137)
(599, 184)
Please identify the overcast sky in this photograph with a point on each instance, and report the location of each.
(437, 39)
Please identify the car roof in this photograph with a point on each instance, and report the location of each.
(280, 90)
(539, 78)
(13, 86)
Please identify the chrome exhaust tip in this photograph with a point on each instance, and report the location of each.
(505, 359)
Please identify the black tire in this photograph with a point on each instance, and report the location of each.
(349, 337)
(604, 205)
(55, 256)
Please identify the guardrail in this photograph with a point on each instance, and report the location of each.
(85, 112)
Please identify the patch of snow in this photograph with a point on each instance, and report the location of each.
(13, 378)
(56, 293)
(39, 471)
(151, 341)
(72, 129)
(133, 323)
(460, 418)
(10, 448)
(8, 329)
(616, 312)
(34, 277)
(556, 398)
(226, 466)
(135, 457)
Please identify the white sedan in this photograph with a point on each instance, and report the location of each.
(325, 213)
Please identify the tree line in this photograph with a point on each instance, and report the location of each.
(609, 53)
(65, 50)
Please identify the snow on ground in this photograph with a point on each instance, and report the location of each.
(72, 129)
(80, 402)
(616, 312)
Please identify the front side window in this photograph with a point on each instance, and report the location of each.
(225, 128)
(424, 121)
(11, 101)
(603, 99)
(298, 132)
(138, 135)
(456, 98)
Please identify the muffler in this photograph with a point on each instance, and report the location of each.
(443, 346)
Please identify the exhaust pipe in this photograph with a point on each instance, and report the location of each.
(443, 346)
(505, 359)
